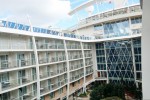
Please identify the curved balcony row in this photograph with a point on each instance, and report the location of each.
(52, 59)
(52, 87)
(12, 84)
(108, 14)
(50, 46)
(76, 77)
(52, 74)
(77, 66)
(73, 46)
(73, 57)
(18, 26)
(10, 65)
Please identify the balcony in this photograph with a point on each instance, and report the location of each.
(27, 96)
(76, 77)
(16, 46)
(52, 73)
(52, 59)
(72, 57)
(12, 64)
(109, 14)
(88, 72)
(13, 83)
(87, 55)
(87, 47)
(50, 46)
(73, 67)
(52, 87)
(73, 46)
(88, 63)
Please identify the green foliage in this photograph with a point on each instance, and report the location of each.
(112, 98)
(83, 95)
(107, 90)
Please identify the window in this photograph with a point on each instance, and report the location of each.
(79, 81)
(42, 98)
(4, 77)
(5, 96)
(138, 75)
(52, 95)
(60, 90)
(98, 27)
(136, 20)
(73, 84)
(3, 61)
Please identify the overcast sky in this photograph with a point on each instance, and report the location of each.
(42, 13)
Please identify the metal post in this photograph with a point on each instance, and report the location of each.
(68, 72)
(37, 68)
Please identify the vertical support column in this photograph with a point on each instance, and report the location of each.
(146, 50)
(130, 26)
(37, 68)
(106, 62)
(94, 58)
(84, 80)
(68, 73)
(133, 59)
(103, 30)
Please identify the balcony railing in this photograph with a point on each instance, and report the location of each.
(16, 46)
(7, 64)
(27, 96)
(87, 47)
(73, 46)
(89, 71)
(23, 27)
(50, 46)
(76, 77)
(52, 59)
(71, 57)
(88, 55)
(52, 86)
(12, 83)
(112, 13)
(88, 63)
(52, 73)
(76, 66)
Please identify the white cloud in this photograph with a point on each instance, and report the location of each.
(41, 12)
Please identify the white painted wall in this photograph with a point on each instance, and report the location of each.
(146, 50)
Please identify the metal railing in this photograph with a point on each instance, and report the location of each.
(76, 77)
(52, 73)
(23, 27)
(111, 13)
(71, 57)
(89, 71)
(88, 55)
(10, 64)
(87, 46)
(52, 59)
(16, 46)
(73, 46)
(88, 63)
(15, 82)
(52, 86)
(50, 46)
(73, 67)
(27, 96)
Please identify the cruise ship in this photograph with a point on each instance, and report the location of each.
(43, 64)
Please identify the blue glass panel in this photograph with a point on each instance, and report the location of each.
(20, 26)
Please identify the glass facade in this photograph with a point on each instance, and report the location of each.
(118, 28)
(100, 56)
(137, 55)
(136, 20)
(119, 59)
